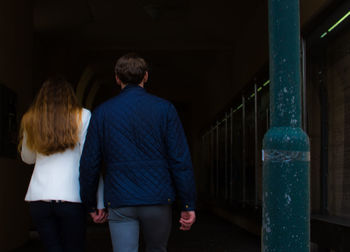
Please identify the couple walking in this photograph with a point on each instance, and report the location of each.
(139, 140)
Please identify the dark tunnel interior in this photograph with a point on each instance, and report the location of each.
(210, 59)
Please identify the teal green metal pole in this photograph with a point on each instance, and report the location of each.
(286, 217)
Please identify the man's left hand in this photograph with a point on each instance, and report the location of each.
(187, 219)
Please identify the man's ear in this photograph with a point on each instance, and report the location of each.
(119, 82)
(145, 78)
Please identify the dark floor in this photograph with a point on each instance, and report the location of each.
(209, 234)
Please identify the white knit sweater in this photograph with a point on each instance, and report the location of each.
(56, 177)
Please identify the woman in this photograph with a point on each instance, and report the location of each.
(52, 136)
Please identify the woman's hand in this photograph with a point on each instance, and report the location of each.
(100, 216)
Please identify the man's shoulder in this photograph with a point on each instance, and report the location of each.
(149, 100)
(158, 100)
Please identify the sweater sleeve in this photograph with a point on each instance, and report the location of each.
(86, 116)
(28, 156)
(179, 159)
(90, 163)
(100, 193)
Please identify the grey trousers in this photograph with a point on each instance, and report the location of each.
(125, 224)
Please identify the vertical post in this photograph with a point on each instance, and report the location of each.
(217, 193)
(226, 180)
(286, 217)
(231, 155)
(256, 140)
(267, 119)
(324, 144)
(212, 163)
(303, 50)
(202, 154)
(243, 152)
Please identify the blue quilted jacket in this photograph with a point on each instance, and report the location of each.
(140, 140)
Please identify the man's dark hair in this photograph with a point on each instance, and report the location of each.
(130, 68)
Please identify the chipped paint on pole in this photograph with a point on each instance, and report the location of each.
(286, 156)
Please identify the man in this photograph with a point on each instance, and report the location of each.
(140, 139)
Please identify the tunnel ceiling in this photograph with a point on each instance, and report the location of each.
(175, 34)
(162, 23)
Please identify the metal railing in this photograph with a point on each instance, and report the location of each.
(231, 149)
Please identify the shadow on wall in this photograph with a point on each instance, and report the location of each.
(15, 74)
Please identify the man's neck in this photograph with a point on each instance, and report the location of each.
(140, 85)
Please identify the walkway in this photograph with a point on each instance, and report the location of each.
(209, 234)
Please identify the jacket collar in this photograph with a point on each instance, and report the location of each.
(132, 87)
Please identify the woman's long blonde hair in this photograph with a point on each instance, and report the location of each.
(52, 122)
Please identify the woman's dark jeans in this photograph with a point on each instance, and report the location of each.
(61, 225)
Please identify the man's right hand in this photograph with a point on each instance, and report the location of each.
(100, 216)
(187, 219)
